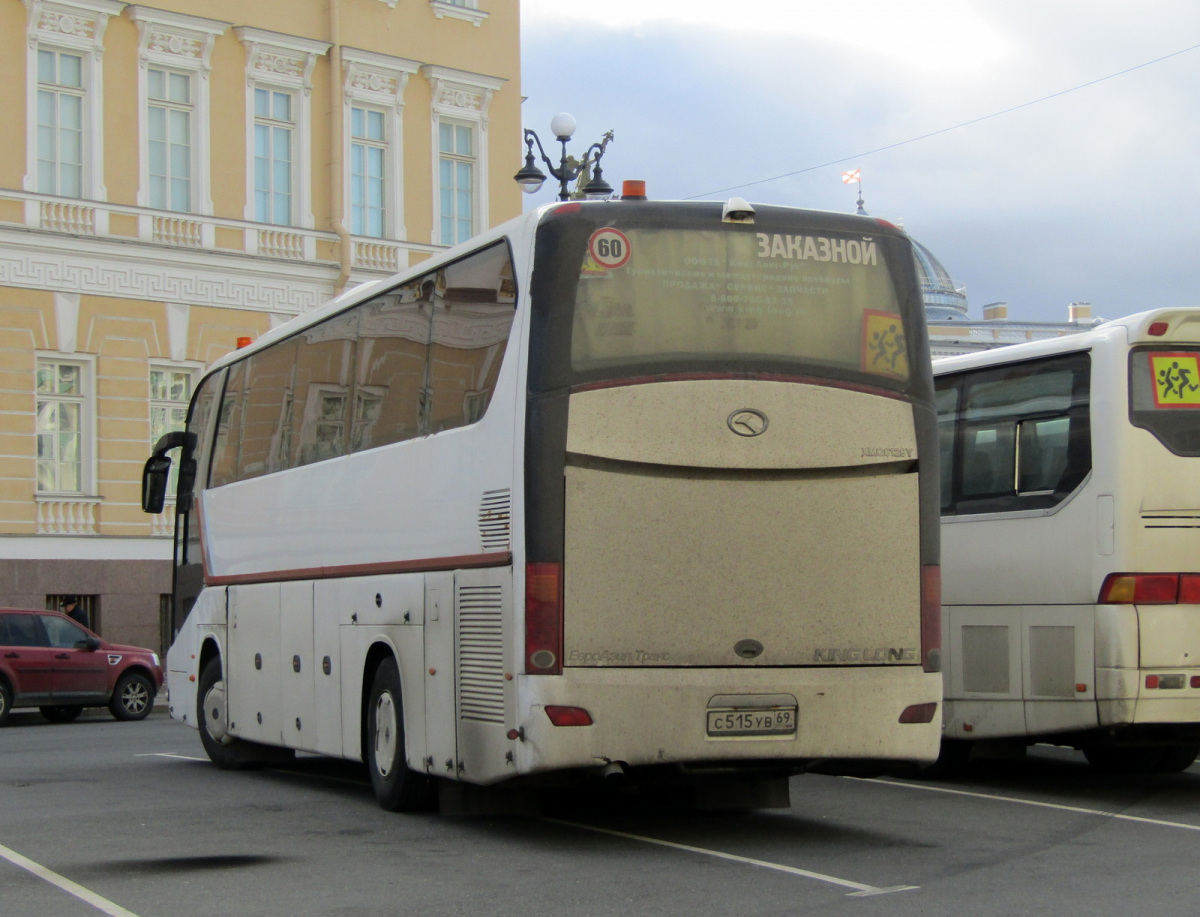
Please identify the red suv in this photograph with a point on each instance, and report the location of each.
(50, 662)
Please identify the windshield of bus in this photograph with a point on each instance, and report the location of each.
(630, 296)
(1164, 395)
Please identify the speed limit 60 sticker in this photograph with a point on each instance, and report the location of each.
(609, 248)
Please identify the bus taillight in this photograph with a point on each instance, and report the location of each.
(1142, 589)
(543, 619)
(1189, 589)
(931, 618)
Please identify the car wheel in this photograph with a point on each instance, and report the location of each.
(61, 713)
(5, 701)
(225, 751)
(397, 788)
(133, 697)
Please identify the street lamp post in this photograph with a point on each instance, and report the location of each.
(530, 177)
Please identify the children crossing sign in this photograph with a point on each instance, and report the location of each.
(1176, 379)
(883, 347)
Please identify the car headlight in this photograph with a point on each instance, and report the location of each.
(154, 656)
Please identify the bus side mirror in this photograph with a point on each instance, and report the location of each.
(158, 468)
(154, 483)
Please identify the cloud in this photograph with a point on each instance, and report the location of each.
(1086, 195)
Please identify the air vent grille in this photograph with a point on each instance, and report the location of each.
(495, 520)
(480, 654)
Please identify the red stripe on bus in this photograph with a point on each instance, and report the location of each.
(753, 377)
(422, 565)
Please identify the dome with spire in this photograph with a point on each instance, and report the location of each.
(944, 299)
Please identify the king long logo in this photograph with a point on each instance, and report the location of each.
(747, 422)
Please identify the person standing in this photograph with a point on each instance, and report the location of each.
(71, 607)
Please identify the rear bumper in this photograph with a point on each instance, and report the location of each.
(1124, 699)
(659, 716)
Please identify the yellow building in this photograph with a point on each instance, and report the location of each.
(176, 177)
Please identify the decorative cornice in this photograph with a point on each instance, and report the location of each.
(377, 78)
(77, 24)
(459, 92)
(175, 39)
(285, 59)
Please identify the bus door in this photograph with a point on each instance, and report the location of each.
(441, 740)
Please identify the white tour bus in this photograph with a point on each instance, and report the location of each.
(1071, 544)
(617, 487)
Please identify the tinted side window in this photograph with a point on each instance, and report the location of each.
(318, 402)
(229, 428)
(422, 358)
(1014, 437)
(1164, 395)
(390, 390)
(21, 630)
(947, 409)
(473, 307)
(200, 421)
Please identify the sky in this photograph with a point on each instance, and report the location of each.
(1046, 151)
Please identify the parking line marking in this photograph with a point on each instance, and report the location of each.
(71, 888)
(860, 890)
(1033, 802)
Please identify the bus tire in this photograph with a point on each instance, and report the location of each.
(224, 750)
(1176, 758)
(953, 757)
(1124, 759)
(397, 787)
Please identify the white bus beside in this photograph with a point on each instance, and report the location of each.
(636, 487)
(1071, 543)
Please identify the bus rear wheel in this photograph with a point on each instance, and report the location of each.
(397, 787)
(1176, 758)
(1122, 759)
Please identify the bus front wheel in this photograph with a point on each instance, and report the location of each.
(212, 718)
(397, 788)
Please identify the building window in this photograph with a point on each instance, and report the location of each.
(456, 181)
(64, 97)
(62, 426)
(170, 392)
(279, 124)
(373, 142)
(169, 139)
(60, 105)
(274, 129)
(368, 157)
(459, 110)
(174, 54)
